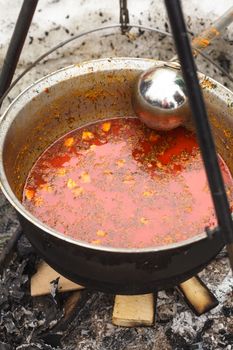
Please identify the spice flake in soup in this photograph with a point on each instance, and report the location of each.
(118, 183)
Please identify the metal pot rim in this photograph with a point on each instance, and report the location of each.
(83, 68)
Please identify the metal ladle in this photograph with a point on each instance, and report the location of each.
(159, 96)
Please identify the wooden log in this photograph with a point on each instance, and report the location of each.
(40, 282)
(197, 295)
(133, 310)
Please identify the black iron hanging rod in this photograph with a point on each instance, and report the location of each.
(197, 105)
(16, 44)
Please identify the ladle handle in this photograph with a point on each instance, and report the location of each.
(205, 38)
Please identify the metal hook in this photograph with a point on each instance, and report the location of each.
(124, 16)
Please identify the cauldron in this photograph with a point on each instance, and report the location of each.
(70, 98)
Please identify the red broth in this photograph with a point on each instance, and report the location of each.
(117, 183)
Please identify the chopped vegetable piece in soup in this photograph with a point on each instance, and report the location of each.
(117, 183)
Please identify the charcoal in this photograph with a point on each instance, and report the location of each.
(54, 291)
(165, 312)
(197, 346)
(227, 311)
(48, 311)
(35, 346)
(24, 247)
(22, 318)
(3, 296)
(53, 339)
(4, 346)
(7, 322)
